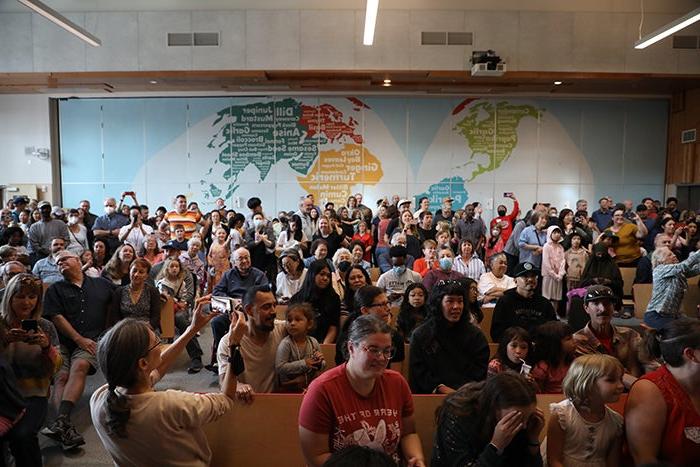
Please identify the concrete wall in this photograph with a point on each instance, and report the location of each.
(332, 39)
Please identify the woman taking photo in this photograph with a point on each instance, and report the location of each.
(139, 300)
(291, 275)
(447, 351)
(508, 428)
(661, 414)
(117, 269)
(34, 357)
(318, 291)
(627, 251)
(293, 237)
(378, 399)
(131, 417)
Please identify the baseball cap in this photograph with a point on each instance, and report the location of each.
(447, 199)
(43, 203)
(598, 292)
(20, 199)
(170, 245)
(525, 269)
(58, 211)
(404, 201)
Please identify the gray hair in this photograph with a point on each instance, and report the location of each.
(659, 256)
(338, 252)
(493, 258)
(194, 241)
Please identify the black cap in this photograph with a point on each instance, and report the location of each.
(525, 269)
(20, 199)
(598, 292)
(611, 235)
(253, 203)
(170, 245)
(397, 250)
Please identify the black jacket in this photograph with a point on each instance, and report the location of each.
(512, 309)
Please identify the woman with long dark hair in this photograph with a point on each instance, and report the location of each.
(413, 310)
(132, 418)
(355, 278)
(293, 237)
(447, 351)
(490, 423)
(117, 268)
(369, 300)
(318, 291)
(601, 269)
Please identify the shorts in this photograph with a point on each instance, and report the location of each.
(69, 356)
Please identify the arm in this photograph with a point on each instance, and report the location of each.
(514, 212)
(410, 443)
(331, 335)
(314, 446)
(65, 328)
(286, 368)
(154, 308)
(423, 379)
(645, 420)
(555, 443)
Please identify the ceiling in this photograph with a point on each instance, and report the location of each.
(626, 6)
(223, 82)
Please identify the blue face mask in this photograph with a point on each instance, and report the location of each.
(446, 263)
(398, 270)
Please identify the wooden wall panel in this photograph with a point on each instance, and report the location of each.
(683, 160)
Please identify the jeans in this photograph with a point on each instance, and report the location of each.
(655, 320)
(193, 348)
(219, 327)
(24, 444)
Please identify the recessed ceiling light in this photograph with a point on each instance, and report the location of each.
(153, 81)
(387, 81)
(557, 83)
(386, 84)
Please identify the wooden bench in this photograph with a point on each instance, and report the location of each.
(627, 280)
(374, 274)
(691, 300)
(266, 432)
(485, 324)
(167, 319)
(642, 295)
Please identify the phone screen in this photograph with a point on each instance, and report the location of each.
(30, 325)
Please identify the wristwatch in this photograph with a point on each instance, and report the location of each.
(235, 359)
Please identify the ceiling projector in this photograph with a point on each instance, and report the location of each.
(487, 63)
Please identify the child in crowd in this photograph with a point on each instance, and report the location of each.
(513, 350)
(414, 309)
(87, 262)
(554, 352)
(299, 359)
(553, 267)
(576, 258)
(180, 240)
(429, 259)
(582, 430)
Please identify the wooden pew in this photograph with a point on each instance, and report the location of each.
(627, 280)
(281, 312)
(493, 350)
(266, 432)
(374, 274)
(485, 324)
(691, 300)
(642, 295)
(167, 319)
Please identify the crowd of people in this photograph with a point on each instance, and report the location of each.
(82, 293)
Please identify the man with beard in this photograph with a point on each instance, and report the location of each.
(46, 269)
(42, 232)
(521, 306)
(258, 347)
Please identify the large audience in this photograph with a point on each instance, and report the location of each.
(83, 293)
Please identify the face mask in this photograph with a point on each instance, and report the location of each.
(399, 269)
(501, 213)
(72, 220)
(495, 232)
(257, 222)
(343, 266)
(446, 263)
(110, 210)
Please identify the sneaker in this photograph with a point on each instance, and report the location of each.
(56, 430)
(196, 366)
(71, 438)
(213, 367)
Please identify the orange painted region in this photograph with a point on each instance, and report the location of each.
(336, 172)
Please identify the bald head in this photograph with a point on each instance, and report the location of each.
(241, 260)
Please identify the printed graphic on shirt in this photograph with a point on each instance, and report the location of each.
(379, 430)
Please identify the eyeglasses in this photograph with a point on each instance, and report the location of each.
(444, 282)
(383, 305)
(387, 353)
(158, 342)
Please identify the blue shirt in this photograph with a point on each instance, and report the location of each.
(46, 269)
(602, 219)
(233, 285)
(530, 236)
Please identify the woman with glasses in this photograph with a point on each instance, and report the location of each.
(29, 343)
(447, 351)
(132, 419)
(361, 402)
(369, 300)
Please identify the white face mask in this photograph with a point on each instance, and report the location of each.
(109, 210)
(73, 220)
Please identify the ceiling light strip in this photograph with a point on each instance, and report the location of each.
(667, 30)
(370, 21)
(60, 20)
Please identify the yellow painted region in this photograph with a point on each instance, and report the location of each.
(337, 171)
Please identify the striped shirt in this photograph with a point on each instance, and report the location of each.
(188, 220)
(670, 284)
(473, 268)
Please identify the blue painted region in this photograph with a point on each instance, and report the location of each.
(452, 187)
(123, 139)
(73, 194)
(645, 141)
(81, 145)
(569, 116)
(201, 108)
(164, 120)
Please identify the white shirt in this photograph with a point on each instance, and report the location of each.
(397, 284)
(488, 281)
(287, 287)
(137, 235)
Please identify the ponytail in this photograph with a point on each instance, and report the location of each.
(118, 412)
(670, 341)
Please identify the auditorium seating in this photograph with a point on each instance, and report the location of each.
(642, 295)
(266, 432)
(167, 319)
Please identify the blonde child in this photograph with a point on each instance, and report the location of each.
(576, 258)
(553, 267)
(554, 352)
(299, 359)
(583, 432)
(513, 351)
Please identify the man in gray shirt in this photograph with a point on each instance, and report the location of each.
(42, 232)
(470, 227)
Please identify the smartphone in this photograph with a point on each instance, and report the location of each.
(221, 304)
(30, 325)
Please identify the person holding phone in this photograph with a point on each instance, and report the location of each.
(131, 416)
(30, 344)
(135, 232)
(627, 250)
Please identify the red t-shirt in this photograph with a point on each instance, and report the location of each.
(331, 406)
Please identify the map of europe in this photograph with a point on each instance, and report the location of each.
(318, 142)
